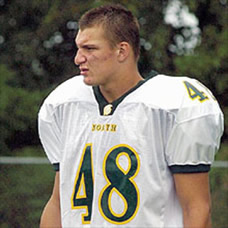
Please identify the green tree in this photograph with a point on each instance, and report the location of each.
(37, 50)
(208, 63)
(18, 110)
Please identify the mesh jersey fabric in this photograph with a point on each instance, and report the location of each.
(117, 169)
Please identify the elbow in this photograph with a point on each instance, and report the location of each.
(197, 215)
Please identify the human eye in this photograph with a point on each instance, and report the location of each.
(89, 48)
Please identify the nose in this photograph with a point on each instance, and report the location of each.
(79, 58)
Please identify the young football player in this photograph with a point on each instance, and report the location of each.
(128, 151)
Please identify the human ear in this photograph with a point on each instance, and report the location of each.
(123, 51)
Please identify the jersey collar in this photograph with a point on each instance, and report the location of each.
(106, 108)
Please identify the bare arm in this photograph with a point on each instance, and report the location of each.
(51, 213)
(194, 195)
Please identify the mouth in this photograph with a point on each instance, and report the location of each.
(83, 70)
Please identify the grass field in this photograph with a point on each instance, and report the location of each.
(24, 190)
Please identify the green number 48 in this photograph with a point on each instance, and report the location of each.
(119, 180)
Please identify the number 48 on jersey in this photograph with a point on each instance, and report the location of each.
(119, 180)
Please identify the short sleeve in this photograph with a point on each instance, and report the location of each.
(193, 144)
(195, 136)
(49, 133)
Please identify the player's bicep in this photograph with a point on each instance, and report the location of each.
(192, 187)
(55, 192)
(194, 195)
(51, 213)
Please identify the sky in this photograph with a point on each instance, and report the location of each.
(177, 14)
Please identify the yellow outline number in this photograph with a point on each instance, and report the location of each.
(119, 181)
(194, 93)
(82, 196)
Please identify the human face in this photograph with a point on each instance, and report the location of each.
(97, 60)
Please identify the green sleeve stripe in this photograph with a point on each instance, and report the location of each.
(201, 168)
(56, 166)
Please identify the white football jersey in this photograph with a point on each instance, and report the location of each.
(116, 160)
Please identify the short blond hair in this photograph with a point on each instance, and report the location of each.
(119, 25)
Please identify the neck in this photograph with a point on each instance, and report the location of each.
(120, 86)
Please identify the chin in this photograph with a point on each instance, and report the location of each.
(88, 81)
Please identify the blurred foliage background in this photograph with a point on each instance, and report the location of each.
(178, 37)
